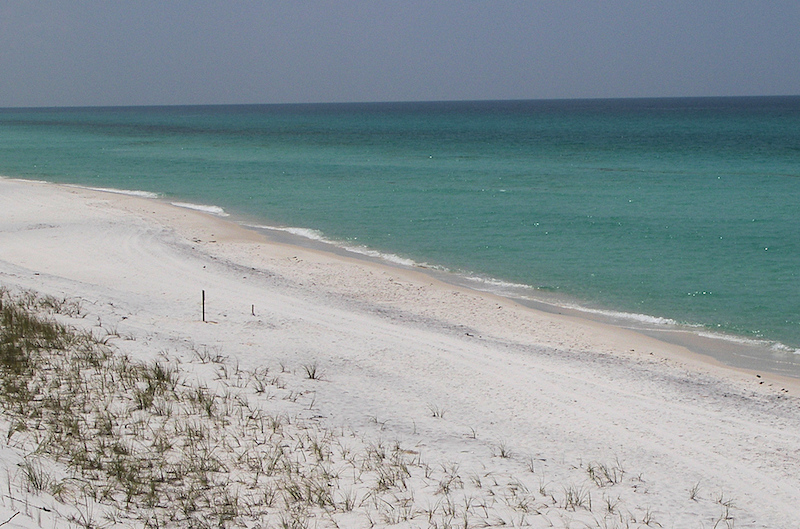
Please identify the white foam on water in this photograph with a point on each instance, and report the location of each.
(498, 283)
(214, 210)
(517, 290)
(316, 235)
(775, 346)
(14, 179)
(784, 348)
(133, 193)
(735, 339)
(630, 316)
(389, 257)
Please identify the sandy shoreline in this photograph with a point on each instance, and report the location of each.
(395, 344)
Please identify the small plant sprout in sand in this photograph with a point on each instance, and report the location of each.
(726, 518)
(610, 505)
(36, 478)
(649, 520)
(694, 491)
(313, 371)
(577, 497)
(436, 411)
(605, 475)
(502, 450)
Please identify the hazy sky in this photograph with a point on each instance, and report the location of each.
(92, 52)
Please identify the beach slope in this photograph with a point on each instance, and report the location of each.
(478, 387)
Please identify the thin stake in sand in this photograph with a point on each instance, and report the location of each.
(204, 305)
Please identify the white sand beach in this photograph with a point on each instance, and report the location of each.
(510, 400)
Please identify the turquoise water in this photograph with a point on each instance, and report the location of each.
(683, 209)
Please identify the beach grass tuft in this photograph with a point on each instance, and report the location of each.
(436, 411)
(313, 371)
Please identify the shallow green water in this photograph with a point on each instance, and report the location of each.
(683, 209)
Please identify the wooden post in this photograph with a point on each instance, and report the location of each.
(204, 306)
(253, 310)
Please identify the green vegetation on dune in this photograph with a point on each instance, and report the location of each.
(200, 443)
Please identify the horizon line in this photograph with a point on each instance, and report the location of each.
(400, 102)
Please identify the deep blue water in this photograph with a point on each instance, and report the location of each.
(684, 209)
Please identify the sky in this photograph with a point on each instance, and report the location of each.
(92, 52)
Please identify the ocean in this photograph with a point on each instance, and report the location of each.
(677, 216)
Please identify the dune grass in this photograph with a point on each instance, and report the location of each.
(204, 444)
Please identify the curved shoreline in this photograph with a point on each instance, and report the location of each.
(740, 354)
(399, 348)
(751, 355)
(695, 343)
